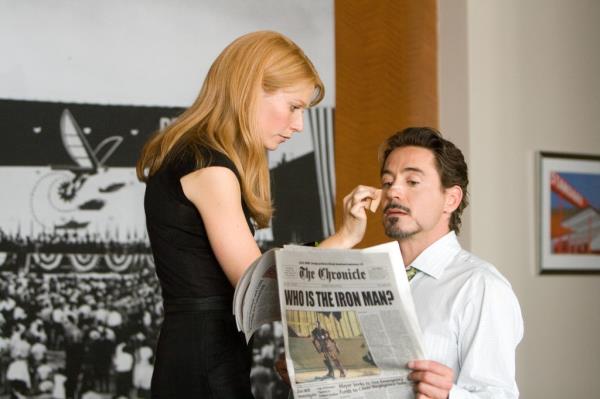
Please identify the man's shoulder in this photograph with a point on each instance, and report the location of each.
(480, 284)
(476, 270)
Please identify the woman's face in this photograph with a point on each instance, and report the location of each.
(280, 114)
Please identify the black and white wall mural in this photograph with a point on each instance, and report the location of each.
(80, 305)
(81, 88)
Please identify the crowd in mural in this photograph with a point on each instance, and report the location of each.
(55, 241)
(77, 335)
(92, 335)
(82, 251)
(267, 346)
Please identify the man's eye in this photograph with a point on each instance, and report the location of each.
(386, 184)
(412, 183)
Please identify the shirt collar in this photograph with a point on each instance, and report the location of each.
(436, 257)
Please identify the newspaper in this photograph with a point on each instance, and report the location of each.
(256, 296)
(349, 321)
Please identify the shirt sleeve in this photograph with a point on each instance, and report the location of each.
(491, 327)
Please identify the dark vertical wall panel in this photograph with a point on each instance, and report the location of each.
(386, 80)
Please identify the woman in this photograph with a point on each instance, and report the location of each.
(207, 189)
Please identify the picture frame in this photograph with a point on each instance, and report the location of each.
(569, 212)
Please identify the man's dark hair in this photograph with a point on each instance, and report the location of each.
(449, 161)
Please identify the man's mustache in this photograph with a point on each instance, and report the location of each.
(393, 205)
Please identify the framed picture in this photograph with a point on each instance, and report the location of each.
(569, 206)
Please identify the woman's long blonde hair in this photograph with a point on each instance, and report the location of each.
(223, 117)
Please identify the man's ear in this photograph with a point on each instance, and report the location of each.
(454, 196)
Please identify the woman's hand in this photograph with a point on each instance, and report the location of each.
(354, 222)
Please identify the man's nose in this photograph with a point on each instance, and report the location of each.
(395, 191)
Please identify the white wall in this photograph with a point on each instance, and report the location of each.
(142, 52)
(532, 84)
(453, 87)
(139, 52)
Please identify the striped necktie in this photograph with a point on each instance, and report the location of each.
(410, 272)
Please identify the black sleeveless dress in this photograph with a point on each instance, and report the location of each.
(200, 353)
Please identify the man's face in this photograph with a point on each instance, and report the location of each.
(415, 205)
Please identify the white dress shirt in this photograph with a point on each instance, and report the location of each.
(470, 318)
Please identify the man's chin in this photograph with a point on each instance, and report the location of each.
(399, 234)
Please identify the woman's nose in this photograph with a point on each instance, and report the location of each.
(298, 122)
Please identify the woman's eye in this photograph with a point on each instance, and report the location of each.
(412, 182)
(386, 184)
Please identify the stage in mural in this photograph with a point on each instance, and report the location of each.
(80, 305)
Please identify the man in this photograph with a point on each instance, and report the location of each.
(326, 345)
(470, 317)
(74, 354)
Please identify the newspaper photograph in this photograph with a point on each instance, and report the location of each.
(350, 326)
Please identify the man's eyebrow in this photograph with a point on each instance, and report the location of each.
(407, 169)
(413, 169)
